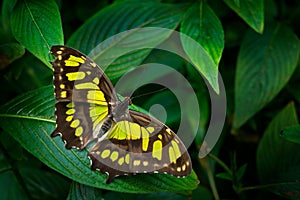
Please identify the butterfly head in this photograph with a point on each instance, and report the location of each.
(127, 100)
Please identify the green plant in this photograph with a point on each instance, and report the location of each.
(252, 43)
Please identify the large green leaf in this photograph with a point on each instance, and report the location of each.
(42, 184)
(10, 188)
(204, 103)
(127, 50)
(202, 192)
(202, 25)
(7, 7)
(265, 64)
(23, 172)
(10, 52)
(80, 191)
(167, 100)
(252, 12)
(278, 160)
(29, 118)
(162, 195)
(36, 25)
(291, 134)
(12, 147)
(153, 196)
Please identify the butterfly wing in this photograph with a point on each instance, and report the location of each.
(168, 151)
(84, 94)
(140, 144)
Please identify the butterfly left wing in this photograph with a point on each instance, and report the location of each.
(140, 144)
(83, 92)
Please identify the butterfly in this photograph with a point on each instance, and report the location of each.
(120, 141)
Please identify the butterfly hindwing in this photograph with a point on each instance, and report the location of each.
(165, 146)
(140, 144)
(75, 122)
(111, 157)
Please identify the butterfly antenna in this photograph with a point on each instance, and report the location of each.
(148, 93)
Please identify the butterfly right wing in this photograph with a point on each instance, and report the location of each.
(84, 94)
(140, 144)
(167, 152)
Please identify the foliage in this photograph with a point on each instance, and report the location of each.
(253, 44)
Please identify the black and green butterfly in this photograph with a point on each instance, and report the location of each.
(124, 141)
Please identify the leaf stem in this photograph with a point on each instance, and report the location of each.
(27, 117)
(205, 164)
(255, 187)
(221, 163)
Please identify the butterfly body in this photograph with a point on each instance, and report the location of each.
(125, 141)
(119, 110)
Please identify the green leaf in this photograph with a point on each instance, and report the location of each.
(202, 192)
(28, 69)
(278, 160)
(12, 147)
(162, 195)
(252, 12)
(41, 21)
(7, 8)
(4, 164)
(124, 51)
(153, 196)
(240, 172)
(265, 64)
(42, 184)
(204, 103)
(203, 25)
(168, 101)
(118, 195)
(29, 118)
(9, 185)
(10, 52)
(79, 191)
(291, 134)
(205, 50)
(166, 58)
(224, 175)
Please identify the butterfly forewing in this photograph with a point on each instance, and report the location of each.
(78, 78)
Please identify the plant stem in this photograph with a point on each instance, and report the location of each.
(205, 164)
(268, 185)
(221, 163)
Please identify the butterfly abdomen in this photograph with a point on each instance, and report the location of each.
(107, 124)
